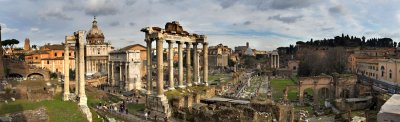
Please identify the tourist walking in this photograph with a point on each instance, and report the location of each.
(146, 115)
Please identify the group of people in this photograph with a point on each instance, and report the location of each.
(116, 107)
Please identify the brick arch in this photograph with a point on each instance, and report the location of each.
(43, 72)
(328, 93)
(15, 74)
(18, 67)
(34, 73)
(316, 83)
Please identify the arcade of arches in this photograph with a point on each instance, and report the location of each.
(327, 87)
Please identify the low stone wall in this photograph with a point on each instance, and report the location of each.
(210, 92)
(221, 112)
(37, 115)
(342, 105)
(97, 81)
(185, 101)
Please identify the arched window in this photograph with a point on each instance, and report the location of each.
(383, 71)
(390, 74)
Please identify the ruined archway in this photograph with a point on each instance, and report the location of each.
(35, 76)
(345, 93)
(323, 94)
(316, 83)
(308, 95)
(14, 76)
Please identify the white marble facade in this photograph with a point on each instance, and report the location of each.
(125, 69)
(96, 51)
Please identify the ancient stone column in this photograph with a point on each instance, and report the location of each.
(171, 65)
(274, 61)
(82, 95)
(205, 63)
(112, 74)
(160, 68)
(66, 73)
(76, 69)
(126, 76)
(120, 75)
(188, 65)
(277, 61)
(149, 68)
(196, 64)
(108, 71)
(180, 65)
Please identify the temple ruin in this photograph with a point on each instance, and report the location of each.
(173, 33)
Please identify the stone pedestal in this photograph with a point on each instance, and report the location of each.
(158, 106)
(85, 110)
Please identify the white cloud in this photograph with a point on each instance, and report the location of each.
(5, 29)
(265, 23)
(34, 29)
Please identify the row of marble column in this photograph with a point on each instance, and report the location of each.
(274, 61)
(79, 70)
(160, 67)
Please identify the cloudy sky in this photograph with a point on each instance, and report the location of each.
(266, 24)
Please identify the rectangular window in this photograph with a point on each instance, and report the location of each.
(55, 54)
(48, 62)
(69, 54)
(62, 54)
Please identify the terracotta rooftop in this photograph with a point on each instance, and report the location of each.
(131, 46)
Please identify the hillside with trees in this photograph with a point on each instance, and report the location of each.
(329, 55)
(350, 41)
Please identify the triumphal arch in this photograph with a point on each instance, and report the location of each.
(173, 33)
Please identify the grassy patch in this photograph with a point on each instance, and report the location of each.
(278, 87)
(219, 78)
(305, 108)
(186, 91)
(58, 110)
(132, 108)
(96, 96)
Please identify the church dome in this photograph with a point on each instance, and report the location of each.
(95, 35)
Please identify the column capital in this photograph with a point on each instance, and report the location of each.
(170, 41)
(159, 39)
(205, 43)
(195, 43)
(148, 40)
(179, 42)
(188, 43)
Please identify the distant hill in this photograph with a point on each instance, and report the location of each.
(350, 41)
